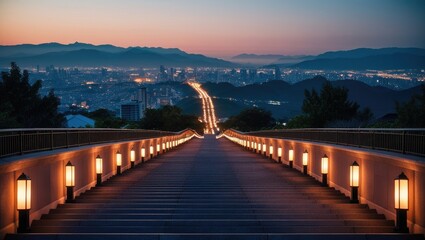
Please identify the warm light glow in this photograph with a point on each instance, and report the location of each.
(291, 155)
(119, 158)
(168, 145)
(69, 175)
(143, 152)
(132, 155)
(401, 192)
(259, 146)
(305, 158)
(325, 164)
(279, 152)
(158, 147)
(209, 116)
(23, 192)
(354, 174)
(264, 147)
(99, 165)
(163, 146)
(271, 150)
(151, 149)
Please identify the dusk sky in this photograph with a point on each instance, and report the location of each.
(218, 28)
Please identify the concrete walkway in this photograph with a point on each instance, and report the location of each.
(212, 189)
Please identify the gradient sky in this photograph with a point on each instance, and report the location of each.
(218, 27)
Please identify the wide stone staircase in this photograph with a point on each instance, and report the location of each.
(211, 189)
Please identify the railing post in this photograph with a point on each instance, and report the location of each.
(373, 139)
(21, 143)
(403, 142)
(67, 141)
(51, 139)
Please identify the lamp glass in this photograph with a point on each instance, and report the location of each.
(143, 152)
(69, 175)
(271, 150)
(305, 158)
(401, 192)
(119, 158)
(291, 154)
(132, 155)
(354, 174)
(279, 152)
(158, 147)
(151, 149)
(99, 165)
(23, 192)
(325, 164)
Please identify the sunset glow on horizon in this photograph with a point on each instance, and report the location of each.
(218, 28)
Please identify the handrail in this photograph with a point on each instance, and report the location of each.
(405, 141)
(22, 141)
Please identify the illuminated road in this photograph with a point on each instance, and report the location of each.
(209, 117)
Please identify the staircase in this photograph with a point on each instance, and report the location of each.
(211, 189)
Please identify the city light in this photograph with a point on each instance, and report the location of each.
(209, 117)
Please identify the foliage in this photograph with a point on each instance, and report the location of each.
(252, 119)
(329, 108)
(106, 119)
(22, 106)
(412, 113)
(170, 118)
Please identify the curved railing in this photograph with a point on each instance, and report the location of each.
(406, 141)
(22, 141)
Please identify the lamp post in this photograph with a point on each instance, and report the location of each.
(132, 157)
(264, 149)
(23, 199)
(163, 147)
(69, 181)
(119, 162)
(158, 149)
(291, 158)
(99, 170)
(279, 154)
(259, 147)
(354, 181)
(151, 151)
(305, 161)
(401, 202)
(271, 152)
(143, 154)
(254, 149)
(325, 169)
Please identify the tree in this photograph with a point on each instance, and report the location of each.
(252, 119)
(170, 118)
(22, 106)
(105, 119)
(412, 113)
(328, 107)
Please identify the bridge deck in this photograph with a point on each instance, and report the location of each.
(211, 189)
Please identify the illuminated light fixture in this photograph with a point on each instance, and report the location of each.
(163, 147)
(168, 145)
(271, 152)
(291, 158)
(99, 170)
(143, 154)
(264, 149)
(23, 203)
(305, 161)
(401, 202)
(279, 154)
(151, 151)
(132, 156)
(255, 147)
(69, 181)
(354, 181)
(158, 149)
(259, 147)
(325, 170)
(119, 161)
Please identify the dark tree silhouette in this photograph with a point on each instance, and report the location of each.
(251, 119)
(412, 113)
(22, 106)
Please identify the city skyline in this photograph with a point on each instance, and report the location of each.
(218, 28)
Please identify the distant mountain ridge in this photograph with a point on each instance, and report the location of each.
(89, 55)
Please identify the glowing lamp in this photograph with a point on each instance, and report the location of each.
(279, 154)
(23, 198)
(264, 149)
(163, 147)
(143, 154)
(325, 169)
(119, 161)
(132, 156)
(99, 170)
(151, 151)
(259, 147)
(69, 181)
(291, 157)
(158, 148)
(354, 181)
(401, 202)
(305, 161)
(271, 152)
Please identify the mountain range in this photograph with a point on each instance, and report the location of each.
(88, 55)
(380, 100)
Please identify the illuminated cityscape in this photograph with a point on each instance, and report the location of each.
(209, 116)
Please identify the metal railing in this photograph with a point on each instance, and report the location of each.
(406, 141)
(21, 141)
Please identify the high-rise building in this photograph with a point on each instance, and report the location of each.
(131, 111)
(142, 98)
